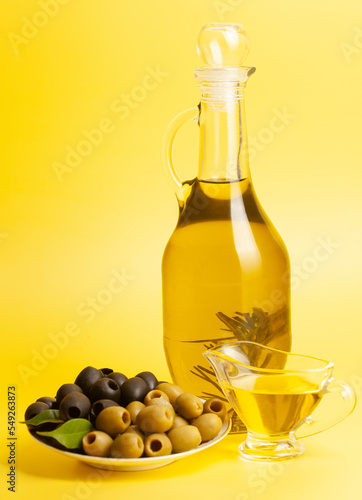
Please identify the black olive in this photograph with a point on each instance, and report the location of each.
(118, 377)
(66, 389)
(74, 405)
(106, 371)
(98, 406)
(51, 402)
(34, 409)
(105, 388)
(149, 378)
(134, 389)
(87, 378)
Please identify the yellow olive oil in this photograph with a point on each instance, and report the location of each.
(273, 404)
(225, 268)
(225, 278)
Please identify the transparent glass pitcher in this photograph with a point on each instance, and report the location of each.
(276, 403)
(225, 269)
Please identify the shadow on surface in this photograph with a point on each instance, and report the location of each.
(39, 461)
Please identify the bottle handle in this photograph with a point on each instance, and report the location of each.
(345, 408)
(167, 143)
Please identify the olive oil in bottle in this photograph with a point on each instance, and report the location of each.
(225, 269)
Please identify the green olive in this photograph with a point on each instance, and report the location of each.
(171, 390)
(113, 420)
(184, 438)
(157, 445)
(188, 405)
(162, 402)
(179, 422)
(155, 418)
(127, 445)
(134, 408)
(156, 393)
(97, 444)
(214, 405)
(135, 430)
(209, 425)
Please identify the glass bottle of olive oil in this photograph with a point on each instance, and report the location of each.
(225, 269)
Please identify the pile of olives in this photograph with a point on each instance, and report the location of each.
(134, 417)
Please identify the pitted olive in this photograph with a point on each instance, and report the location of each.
(74, 405)
(118, 377)
(51, 402)
(155, 419)
(97, 444)
(66, 389)
(157, 445)
(184, 438)
(172, 391)
(214, 405)
(209, 425)
(34, 409)
(113, 420)
(127, 445)
(134, 408)
(155, 393)
(162, 402)
(134, 389)
(105, 388)
(87, 377)
(149, 378)
(188, 405)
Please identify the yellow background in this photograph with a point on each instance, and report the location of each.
(62, 240)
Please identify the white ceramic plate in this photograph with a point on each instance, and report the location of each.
(134, 464)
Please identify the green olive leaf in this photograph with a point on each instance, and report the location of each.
(71, 433)
(45, 416)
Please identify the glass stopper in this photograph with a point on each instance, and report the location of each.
(223, 45)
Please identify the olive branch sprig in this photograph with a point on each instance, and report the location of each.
(259, 326)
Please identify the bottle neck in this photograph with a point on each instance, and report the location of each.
(223, 149)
